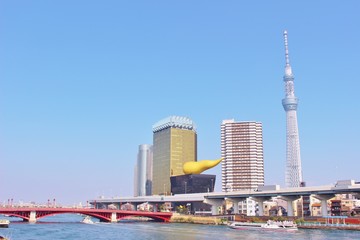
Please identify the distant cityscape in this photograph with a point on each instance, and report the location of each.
(163, 183)
(159, 165)
(175, 143)
(179, 120)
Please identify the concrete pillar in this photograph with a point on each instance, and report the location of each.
(324, 198)
(290, 201)
(215, 204)
(113, 217)
(155, 207)
(214, 209)
(324, 211)
(236, 207)
(32, 217)
(290, 207)
(261, 207)
(260, 201)
(134, 206)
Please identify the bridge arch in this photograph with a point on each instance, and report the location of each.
(155, 218)
(40, 215)
(24, 217)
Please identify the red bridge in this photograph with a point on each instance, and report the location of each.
(32, 214)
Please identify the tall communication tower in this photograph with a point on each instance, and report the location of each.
(293, 172)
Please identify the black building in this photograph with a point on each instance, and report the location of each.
(192, 183)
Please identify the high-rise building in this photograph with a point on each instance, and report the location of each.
(175, 142)
(143, 171)
(293, 172)
(242, 152)
(136, 187)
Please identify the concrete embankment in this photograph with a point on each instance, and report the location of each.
(211, 220)
(331, 227)
(197, 220)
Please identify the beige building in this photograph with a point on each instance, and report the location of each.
(242, 151)
(316, 210)
(268, 206)
(345, 203)
(174, 143)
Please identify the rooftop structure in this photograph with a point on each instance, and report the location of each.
(174, 122)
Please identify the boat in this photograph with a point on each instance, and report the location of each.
(271, 225)
(245, 225)
(289, 225)
(4, 223)
(87, 220)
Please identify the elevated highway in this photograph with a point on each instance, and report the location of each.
(216, 199)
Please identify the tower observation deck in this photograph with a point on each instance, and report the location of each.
(293, 172)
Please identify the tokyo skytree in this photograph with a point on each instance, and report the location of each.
(293, 172)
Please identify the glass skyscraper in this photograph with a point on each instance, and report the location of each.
(143, 171)
(174, 143)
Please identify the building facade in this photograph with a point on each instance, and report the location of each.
(143, 171)
(293, 171)
(316, 210)
(174, 143)
(192, 183)
(242, 152)
(247, 207)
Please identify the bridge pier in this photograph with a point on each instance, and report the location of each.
(113, 218)
(260, 201)
(215, 204)
(32, 217)
(290, 201)
(324, 198)
(134, 205)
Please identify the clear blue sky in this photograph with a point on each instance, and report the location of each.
(82, 83)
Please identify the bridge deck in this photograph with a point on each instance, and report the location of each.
(108, 215)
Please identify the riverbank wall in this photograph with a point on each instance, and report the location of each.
(208, 220)
(330, 226)
(307, 223)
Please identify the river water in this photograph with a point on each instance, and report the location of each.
(69, 227)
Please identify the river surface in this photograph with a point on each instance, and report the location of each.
(69, 227)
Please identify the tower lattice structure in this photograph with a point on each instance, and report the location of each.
(293, 172)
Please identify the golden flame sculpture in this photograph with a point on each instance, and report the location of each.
(199, 167)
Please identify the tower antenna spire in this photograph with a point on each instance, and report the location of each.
(293, 173)
(286, 49)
